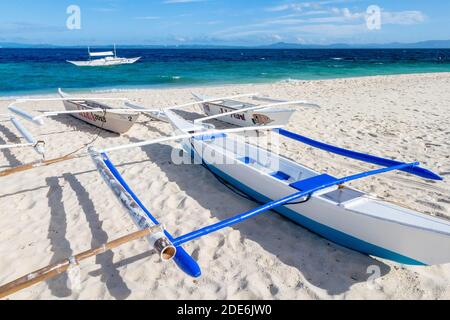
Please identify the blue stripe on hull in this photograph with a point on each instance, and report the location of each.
(334, 235)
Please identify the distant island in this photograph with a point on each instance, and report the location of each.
(431, 44)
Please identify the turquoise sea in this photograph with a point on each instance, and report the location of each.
(28, 71)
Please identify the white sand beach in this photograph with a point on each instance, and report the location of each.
(52, 212)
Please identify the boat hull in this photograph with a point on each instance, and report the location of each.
(111, 121)
(364, 224)
(250, 118)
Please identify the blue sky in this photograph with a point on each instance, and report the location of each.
(223, 21)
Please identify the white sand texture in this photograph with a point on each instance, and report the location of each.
(49, 213)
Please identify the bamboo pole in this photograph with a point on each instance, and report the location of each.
(27, 167)
(55, 269)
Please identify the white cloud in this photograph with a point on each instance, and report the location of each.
(21, 27)
(210, 23)
(105, 9)
(345, 15)
(148, 18)
(331, 30)
(402, 18)
(301, 6)
(277, 37)
(332, 20)
(278, 8)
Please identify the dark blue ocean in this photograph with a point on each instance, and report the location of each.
(28, 71)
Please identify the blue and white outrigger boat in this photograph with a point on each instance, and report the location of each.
(319, 202)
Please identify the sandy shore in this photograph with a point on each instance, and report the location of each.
(52, 212)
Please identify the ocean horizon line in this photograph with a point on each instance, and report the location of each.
(425, 44)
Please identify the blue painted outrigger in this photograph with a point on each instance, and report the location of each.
(415, 170)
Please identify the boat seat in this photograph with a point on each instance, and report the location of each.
(280, 175)
(247, 160)
(313, 182)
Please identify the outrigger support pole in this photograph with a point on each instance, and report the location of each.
(56, 269)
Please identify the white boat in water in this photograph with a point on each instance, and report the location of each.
(118, 121)
(110, 58)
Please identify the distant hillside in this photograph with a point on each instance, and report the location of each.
(25, 45)
(431, 44)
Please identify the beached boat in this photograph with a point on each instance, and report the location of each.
(110, 58)
(342, 214)
(90, 110)
(317, 201)
(118, 121)
(245, 114)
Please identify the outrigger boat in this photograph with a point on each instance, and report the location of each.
(109, 58)
(118, 121)
(319, 202)
(89, 110)
(246, 114)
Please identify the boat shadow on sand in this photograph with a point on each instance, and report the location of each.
(11, 137)
(60, 245)
(320, 262)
